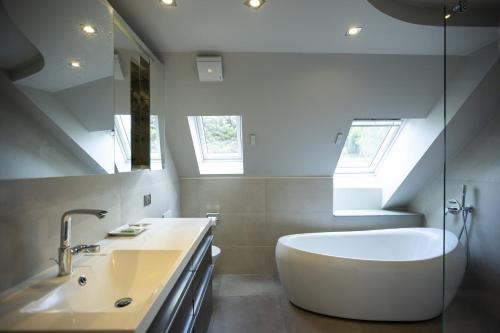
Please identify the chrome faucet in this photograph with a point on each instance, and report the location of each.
(66, 252)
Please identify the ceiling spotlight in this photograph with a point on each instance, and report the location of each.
(171, 3)
(447, 16)
(353, 31)
(255, 4)
(88, 29)
(75, 64)
(210, 70)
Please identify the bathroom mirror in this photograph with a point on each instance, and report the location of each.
(137, 127)
(57, 106)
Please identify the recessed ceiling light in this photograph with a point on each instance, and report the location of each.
(447, 16)
(75, 64)
(171, 3)
(210, 70)
(353, 31)
(255, 4)
(88, 29)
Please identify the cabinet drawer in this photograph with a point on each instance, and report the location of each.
(179, 311)
(204, 314)
(200, 253)
(174, 304)
(182, 322)
(202, 268)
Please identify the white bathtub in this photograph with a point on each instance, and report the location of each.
(383, 275)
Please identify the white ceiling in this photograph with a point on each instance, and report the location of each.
(291, 26)
(53, 27)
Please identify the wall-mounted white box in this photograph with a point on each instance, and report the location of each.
(209, 69)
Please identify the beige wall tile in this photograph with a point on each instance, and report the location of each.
(30, 213)
(246, 260)
(232, 195)
(299, 195)
(190, 200)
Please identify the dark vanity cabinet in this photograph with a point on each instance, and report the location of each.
(188, 307)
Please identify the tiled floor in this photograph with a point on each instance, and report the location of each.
(257, 304)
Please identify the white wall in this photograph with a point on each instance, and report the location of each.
(478, 166)
(27, 149)
(99, 146)
(418, 152)
(91, 103)
(296, 103)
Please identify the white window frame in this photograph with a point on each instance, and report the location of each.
(215, 164)
(156, 159)
(123, 157)
(122, 136)
(203, 142)
(385, 147)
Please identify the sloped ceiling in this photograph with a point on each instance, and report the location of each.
(289, 26)
(53, 27)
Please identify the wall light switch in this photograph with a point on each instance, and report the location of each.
(339, 138)
(147, 200)
(252, 140)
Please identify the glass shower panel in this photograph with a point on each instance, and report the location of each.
(472, 171)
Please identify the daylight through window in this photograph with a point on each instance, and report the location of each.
(217, 144)
(123, 154)
(366, 144)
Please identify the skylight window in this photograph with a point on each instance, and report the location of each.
(366, 145)
(217, 144)
(123, 155)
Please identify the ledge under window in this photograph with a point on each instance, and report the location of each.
(371, 212)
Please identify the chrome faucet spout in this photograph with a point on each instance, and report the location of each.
(65, 251)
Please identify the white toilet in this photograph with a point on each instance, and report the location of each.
(215, 253)
(214, 218)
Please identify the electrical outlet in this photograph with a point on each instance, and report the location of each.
(147, 200)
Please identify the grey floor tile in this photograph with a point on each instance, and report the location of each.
(388, 327)
(248, 285)
(216, 284)
(462, 317)
(300, 321)
(258, 304)
(247, 314)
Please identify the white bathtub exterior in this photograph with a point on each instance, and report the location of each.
(382, 275)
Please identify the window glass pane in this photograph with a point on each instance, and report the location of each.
(124, 120)
(123, 128)
(122, 132)
(221, 134)
(366, 144)
(362, 145)
(155, 138)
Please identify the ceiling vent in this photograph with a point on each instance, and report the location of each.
(209, 69)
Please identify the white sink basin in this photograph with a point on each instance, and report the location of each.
(135, 274)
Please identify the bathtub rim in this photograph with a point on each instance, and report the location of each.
(282, 242)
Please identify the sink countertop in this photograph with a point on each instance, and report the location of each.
(179, 236)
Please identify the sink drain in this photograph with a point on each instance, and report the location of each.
(123, 302)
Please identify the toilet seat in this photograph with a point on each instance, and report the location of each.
(215, 253)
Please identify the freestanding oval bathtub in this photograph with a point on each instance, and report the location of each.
(383, 275)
